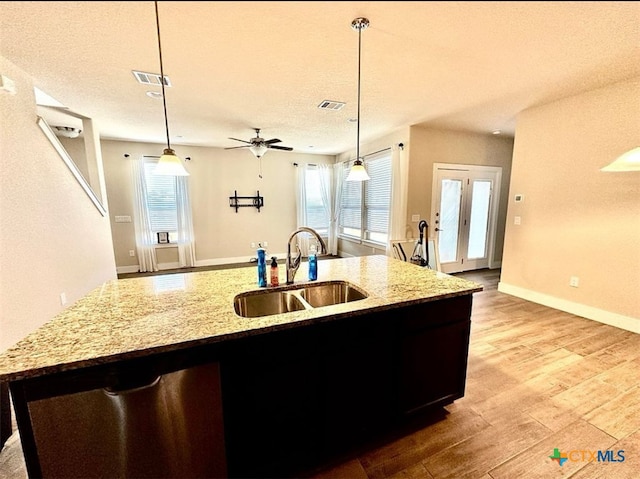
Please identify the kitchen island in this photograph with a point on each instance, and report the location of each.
(141, 368)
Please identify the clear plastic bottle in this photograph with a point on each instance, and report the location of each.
(262, 267)
(274, 271)
(313, 263)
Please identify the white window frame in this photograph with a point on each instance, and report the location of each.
(365, 235)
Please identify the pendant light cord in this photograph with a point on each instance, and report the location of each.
(358, 126)
(164, 101)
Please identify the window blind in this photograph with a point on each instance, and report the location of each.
(161, 199)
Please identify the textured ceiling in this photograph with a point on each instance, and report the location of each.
(236, 66)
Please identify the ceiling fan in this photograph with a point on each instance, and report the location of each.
(259, 146)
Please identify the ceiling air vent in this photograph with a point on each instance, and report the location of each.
(331, 105)
(150, 78)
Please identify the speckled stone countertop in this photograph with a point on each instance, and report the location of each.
(128, 318)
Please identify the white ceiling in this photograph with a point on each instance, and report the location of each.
(236, 66)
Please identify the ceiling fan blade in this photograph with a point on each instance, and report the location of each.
(234, 147)
(272, 140)
(237, 139)
(275, 147)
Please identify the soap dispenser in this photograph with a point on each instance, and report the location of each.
(262, 267)
(313, 263)
(274, 271)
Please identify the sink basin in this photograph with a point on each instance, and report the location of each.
(266, 303)
(254, 304)
(334, 292)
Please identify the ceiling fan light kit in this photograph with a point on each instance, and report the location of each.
(169, 164)
(358, 171)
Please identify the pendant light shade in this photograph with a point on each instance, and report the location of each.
(358, 171)
(629, 161)
(169, 164)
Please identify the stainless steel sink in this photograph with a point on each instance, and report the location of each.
(254, 304)
(334, 292)
(266, 303)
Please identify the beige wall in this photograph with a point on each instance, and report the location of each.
(52, 238)
(577, 220)
(429, 146)
(222, 235)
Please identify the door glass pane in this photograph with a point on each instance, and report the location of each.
(479, 220)
(449, 220)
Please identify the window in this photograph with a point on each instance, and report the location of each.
(316, 213)
(364, 213)
(161, 202)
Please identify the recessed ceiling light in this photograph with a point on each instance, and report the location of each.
(154, 94)
(496, 132)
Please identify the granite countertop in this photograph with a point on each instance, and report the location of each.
(128, 318)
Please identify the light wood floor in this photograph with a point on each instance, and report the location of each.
(538, 379)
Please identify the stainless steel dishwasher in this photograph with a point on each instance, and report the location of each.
(147, 426)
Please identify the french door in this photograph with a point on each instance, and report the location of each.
(464, 215)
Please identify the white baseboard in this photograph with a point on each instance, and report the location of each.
(236, 260)
(135, 268)
(127, 269)
(612, 319)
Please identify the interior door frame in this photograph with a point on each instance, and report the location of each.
(495, 202)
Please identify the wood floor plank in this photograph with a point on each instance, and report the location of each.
(586, 396)
(534, 462)
(348, 470)
(623, 376)
(604, 339)
(409, 450)
(417, 471)
(482, 452)
(619, 417)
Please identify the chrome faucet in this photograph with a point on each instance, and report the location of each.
(294, 263)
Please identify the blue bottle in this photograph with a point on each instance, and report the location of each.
(262, 268)
(313, 263)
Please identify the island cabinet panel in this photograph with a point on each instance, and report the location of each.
(296, 398)
(433, 350)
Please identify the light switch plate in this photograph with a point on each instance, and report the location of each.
(123, 219)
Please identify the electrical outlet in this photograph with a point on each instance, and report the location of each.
(574, 281)
(415, 218)
(265, 244)
(253, 245)
(63, 299)
(132, 252)
(517, 220)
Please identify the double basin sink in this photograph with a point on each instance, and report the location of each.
(253, 304)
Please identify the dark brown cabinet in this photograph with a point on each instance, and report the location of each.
(296, 398)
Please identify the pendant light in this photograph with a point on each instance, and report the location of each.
(629, 161)
(358, 172)
(169, 163)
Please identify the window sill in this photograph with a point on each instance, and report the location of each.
(370, 244)
(165, 245)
